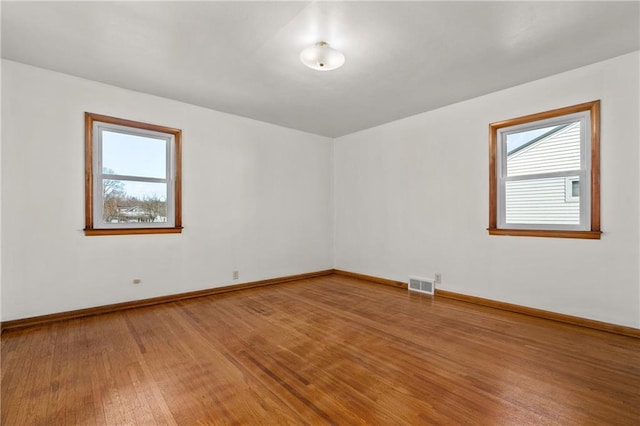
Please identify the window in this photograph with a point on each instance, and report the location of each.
(132, 177)
(572, 190)
(544, 174)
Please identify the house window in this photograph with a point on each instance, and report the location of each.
(132, 177)
(572, 189)
(545, 174)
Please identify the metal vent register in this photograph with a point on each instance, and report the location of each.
(422, 285)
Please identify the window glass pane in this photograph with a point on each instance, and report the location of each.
(539, 201)
(575, 188)
(132, 155)
(134, 202)
(544, 150)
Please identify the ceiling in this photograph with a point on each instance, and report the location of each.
(402, 58)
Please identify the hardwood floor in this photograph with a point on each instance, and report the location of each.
(327, 350)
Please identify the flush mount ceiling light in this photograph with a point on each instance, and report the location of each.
(322, 57)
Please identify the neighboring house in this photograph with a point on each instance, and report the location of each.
(134, 214)
(549, 200)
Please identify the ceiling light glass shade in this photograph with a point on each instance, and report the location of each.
(322, 57)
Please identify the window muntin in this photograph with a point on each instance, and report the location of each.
(540, 165)
(133, 177)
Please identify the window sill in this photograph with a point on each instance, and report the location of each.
(587, 235)
(132, 231)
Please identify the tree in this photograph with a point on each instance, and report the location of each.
(112, 193)
(155, 207)
(110, 186)
(121, 207)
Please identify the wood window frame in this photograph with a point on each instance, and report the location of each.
(90, 229)
(594, 232)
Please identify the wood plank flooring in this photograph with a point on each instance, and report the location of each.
(327, 350)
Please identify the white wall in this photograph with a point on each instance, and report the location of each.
(256, 198)
(411, 197)
(0, 180)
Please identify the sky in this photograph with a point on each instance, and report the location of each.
(514, 140)
(136, 156)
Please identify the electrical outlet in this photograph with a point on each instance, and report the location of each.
(137, 281)
(236, 275)
(438, 278)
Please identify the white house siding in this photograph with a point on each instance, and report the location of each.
(555, 153)
(540, 201)
(544, 201)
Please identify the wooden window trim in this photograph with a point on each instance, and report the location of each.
(594, 233)
(89, 229)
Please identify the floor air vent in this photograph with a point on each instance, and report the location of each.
(422, 285)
